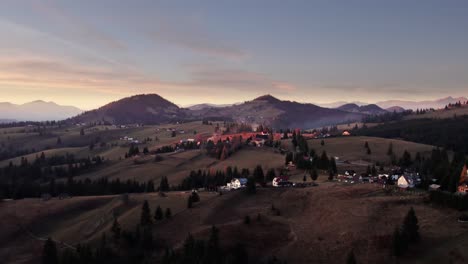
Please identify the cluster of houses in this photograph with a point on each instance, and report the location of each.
(403, 180)
(130, 140)
(238, 183)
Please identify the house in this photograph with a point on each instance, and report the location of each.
(408, 180)
(463, 183)
(238, 183)
(350, 174)
(281, 181)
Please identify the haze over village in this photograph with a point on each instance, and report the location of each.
(224, 132)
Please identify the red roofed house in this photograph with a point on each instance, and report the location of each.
(463, 184)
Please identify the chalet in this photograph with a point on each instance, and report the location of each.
(408, 180)
(463, 183)
(281, 181)
(404, 182)
(350, 173)
(346, 133)
(237, 183)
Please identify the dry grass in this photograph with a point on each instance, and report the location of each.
(352, 148)
(316, 225)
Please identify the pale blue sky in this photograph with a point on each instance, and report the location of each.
(87, 53)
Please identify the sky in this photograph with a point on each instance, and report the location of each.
(87, 53)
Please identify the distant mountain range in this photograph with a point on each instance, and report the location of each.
(370, 109)
(153, 109)
(436, 104)
(204, 106)
(36, 111)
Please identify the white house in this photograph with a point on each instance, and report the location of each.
(280, 181)
(238, 183)
(405, 182)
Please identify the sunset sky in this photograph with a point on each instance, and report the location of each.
(87, 53)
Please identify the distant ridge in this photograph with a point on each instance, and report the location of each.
(36, 111)
(142, 108)
(370, 109)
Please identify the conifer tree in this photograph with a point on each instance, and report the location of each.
(410, 227)
(158, 213)
(164, 185)
(145, 218)
(116, 229)
(189, 202)
(49, 252)
(390, 149)
(351, 259)
(251, 188)
(168, 213)
(314, 174)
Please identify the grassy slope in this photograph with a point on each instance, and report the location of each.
(442, 113)
(316, 225)
(352, 148)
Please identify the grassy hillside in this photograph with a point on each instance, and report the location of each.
(315, 225)
(352, 148)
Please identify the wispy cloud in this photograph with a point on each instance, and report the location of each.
(76, 27)
(190, 35)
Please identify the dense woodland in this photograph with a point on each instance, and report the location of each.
(451, 133)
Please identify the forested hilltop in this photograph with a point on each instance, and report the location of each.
(450, 133)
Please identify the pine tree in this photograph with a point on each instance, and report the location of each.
(410, 227)
(145, 218)
(369, 151)
(333, 167)
(158, 214)
(258, 175)
(116, 229)
(168, 213)
(399, 243)
(82, 133)
(251, 188)
(189, 202)
(49, 252)
(164, 185)
(390, 149)
(214, 254)
(314, 174)
(351, 259)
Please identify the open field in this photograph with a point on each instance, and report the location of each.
(352, 149)
(442, 113)
(316, 225)
(24, 138)
(177, 166)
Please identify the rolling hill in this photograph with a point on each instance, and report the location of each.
(36, 111)
(370, 109)
(277, 113)
(153, 109)
(143, 109)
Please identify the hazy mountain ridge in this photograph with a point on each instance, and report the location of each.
(370, 109)
(36, 111)
(406, 104)
(277, 113)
